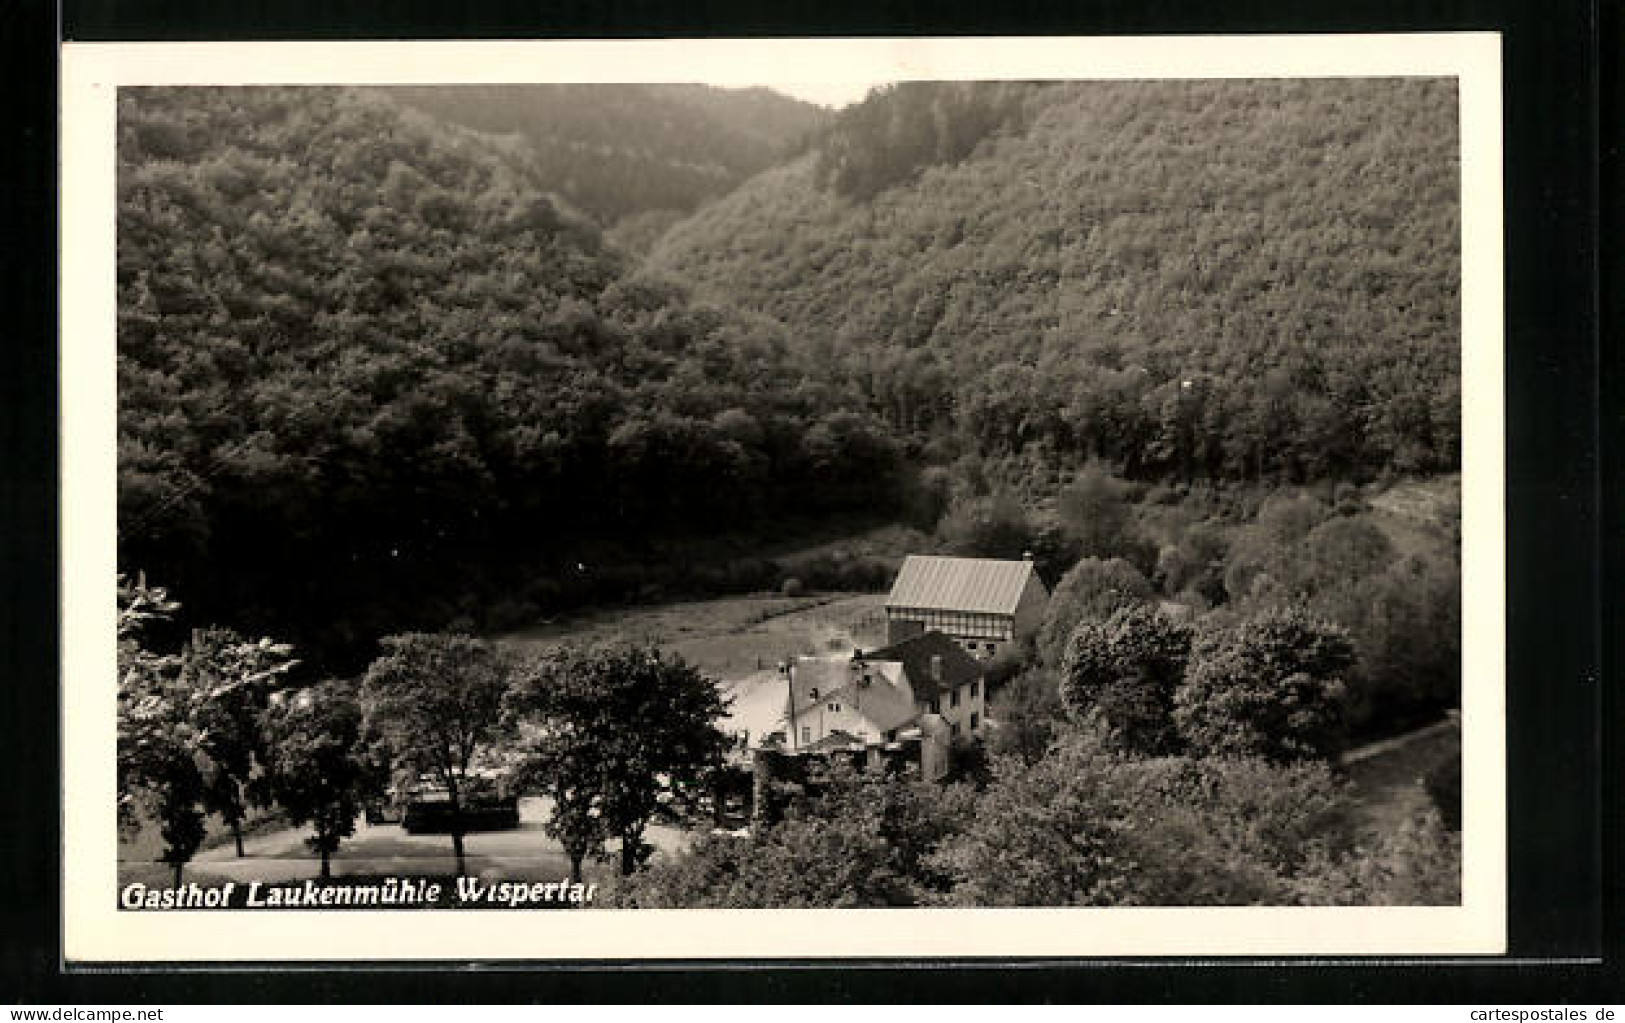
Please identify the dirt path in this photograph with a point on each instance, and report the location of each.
(1388, 775)
(523, 853)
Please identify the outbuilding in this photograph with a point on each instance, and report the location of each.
(984, 604)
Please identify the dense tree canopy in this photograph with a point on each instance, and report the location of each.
(1083, 825)
(367, 363)
(1270, 686)
(1234, 280)
(617, 151)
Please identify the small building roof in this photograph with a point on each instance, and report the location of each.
(879, 694)
(916, 655)
(978, 585)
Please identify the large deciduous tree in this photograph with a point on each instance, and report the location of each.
(1090, 592)
(1126, 669)
(604, 731)
(1271, 686)
(229, 679)
(160, 767)
(321, 767)
(437, 702)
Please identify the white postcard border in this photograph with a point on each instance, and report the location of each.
(95, 931)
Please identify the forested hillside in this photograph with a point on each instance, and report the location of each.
(374, 375)
(371, 377)
(391, 389)
(616, 151)
(1247, 280)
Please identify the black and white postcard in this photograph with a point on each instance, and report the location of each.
(748, 499)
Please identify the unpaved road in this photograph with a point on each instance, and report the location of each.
(524, 853)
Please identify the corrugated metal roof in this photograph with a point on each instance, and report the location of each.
(983, 585)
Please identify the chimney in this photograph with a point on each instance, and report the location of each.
(1026, 555)
(936, 667)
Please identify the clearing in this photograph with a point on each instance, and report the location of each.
(731, 637)
(737, 640)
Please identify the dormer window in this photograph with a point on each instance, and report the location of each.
(812, 694)
(834, 708)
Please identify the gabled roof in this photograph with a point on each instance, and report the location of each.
(981, 585)
(816, 678)
(916, 654)
(883, 700)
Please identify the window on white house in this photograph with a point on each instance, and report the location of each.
(936, 707)
(974, 719)
(953, 698)
(975, 689)
(955, 732)
(812, 694)
(806, 735)
(834, 708)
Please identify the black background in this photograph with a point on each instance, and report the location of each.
(1564, 517)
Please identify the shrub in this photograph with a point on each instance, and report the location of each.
(1417, 865)
(848, 840)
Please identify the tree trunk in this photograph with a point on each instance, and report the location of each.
(456, 822)
(575, 867)
(178, 868)
(629, 854)
(237, 834)
(327, 870)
